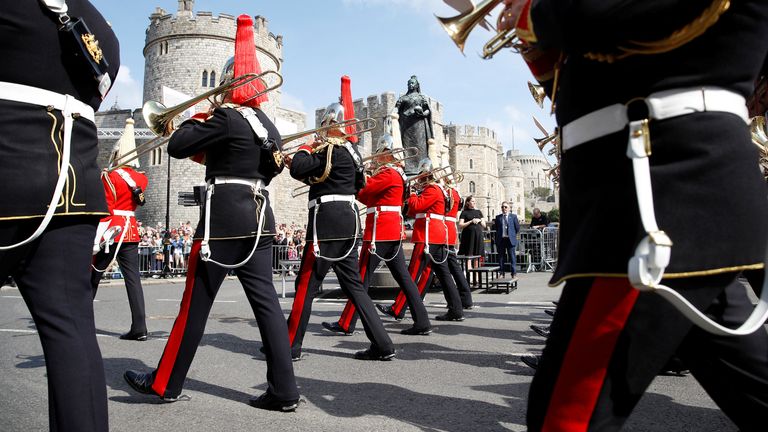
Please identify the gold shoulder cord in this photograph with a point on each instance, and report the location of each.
(328, 146)
(677, 39)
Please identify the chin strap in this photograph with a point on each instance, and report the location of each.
(652, 255)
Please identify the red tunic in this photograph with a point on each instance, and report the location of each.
(120, 198)
(385, 188)
(431, 202)
(451, 217)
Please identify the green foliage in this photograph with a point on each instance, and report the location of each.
(541, 192)
(554, 215)
(528, 215)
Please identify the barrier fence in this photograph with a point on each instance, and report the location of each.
(536, 251)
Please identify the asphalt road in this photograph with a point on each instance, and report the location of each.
(466, 376)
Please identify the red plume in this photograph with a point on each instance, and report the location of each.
(247, 62)
(349, 108)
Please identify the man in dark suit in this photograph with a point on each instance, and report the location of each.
(507, 226)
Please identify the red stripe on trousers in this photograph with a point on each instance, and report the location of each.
(302, 282)
(413, 268)
(168, 360)
(349, 308)
(589, 353)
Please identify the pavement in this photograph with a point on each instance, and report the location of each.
(465, 376)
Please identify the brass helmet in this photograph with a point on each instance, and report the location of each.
(334, 113)
(425, 166)
(228, 71)
(385, 143)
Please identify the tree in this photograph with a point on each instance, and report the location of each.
(541, 192)
(554, 215)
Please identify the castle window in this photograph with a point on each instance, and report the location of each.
(205, 78)
(470, 164)
(471, 184)
(156, 158)
(166, 46)
(213, 79)
(532, 184)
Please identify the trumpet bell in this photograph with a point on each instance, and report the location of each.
(154, 116)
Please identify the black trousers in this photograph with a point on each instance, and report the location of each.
(308, 282)
(52, 274)
(393, 252)
(128, 259)
(203, 283)
(465, 293)
(608, 341)
(422, 267)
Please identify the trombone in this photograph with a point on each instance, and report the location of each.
(460, 26)
(303, 189)
(541, 142)
(157, 116)
(421, 180)
(319, 130)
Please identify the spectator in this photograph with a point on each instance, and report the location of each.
(472, 226)
(507, 226)
(539, 219)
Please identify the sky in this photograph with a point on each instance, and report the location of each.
(378, 43)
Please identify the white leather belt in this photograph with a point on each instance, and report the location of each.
(431, 216)
(37, 96)
(123, 213)
(661, 105)
(330, 198)
(383, 209)
(254, 183)
(450, 219)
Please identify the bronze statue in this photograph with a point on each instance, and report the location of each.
(415, 119)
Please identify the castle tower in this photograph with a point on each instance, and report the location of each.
(184, 54)
(474, 151)
(513, 181)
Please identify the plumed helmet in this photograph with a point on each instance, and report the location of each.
(228, 72)
(385, 143)
(425, 165)
(125, 146)
(334, 113)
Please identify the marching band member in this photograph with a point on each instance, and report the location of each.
(53, 78)
(430, 251)
(235, 232)
(124, 187)
(669, 128)
(453, 263)
(382, 240)
(332, 232)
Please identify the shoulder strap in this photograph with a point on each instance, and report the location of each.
(57, 6)
(250, 115)
(354, 153)
(126, 177)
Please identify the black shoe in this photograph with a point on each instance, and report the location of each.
(142, 383)
(413, 331)
(387, 310)
(468, 307)
(540, 330)
(134, 336)
(449, 317)
(336, 328)
(531, 360)
(269, 403)
(550, 312)
(374, 354)
(674, 367)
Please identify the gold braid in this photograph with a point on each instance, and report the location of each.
(689, 32)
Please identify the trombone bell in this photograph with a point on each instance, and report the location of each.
(538, 93)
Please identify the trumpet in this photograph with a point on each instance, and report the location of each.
(548, 137)
(538, 93)
(157, 116)
(460, 26)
